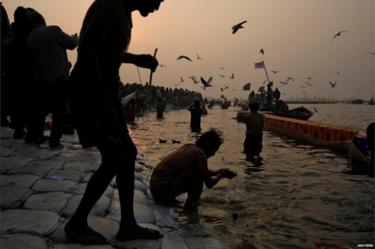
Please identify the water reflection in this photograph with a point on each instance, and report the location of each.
(297, 196)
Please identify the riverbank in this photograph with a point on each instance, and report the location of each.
(41, 188)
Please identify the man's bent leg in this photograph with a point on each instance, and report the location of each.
(129, 229)
(77, 228)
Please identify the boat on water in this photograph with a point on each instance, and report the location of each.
(301, 113)
(358, 101)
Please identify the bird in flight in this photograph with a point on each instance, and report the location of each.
(183, 57)
(261, 51)
(339, 33)
(198, 57)
(289, 78)
(274, 71)
(237, 26)
(206, 83)
(194, 79)
(333, 84)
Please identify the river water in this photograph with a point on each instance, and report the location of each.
(300, 197)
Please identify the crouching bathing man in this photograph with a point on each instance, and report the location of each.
(185, 170)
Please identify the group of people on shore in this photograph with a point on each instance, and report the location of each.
(34, 71)
(98, 115)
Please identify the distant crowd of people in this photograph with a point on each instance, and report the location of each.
(37, 80)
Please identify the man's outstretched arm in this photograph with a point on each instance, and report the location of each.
(141, 60)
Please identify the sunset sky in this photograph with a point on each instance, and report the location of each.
(296, 35)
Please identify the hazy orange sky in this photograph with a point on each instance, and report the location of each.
(296, 35)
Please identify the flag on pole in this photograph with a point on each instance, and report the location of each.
(259, 65)
(246, 87)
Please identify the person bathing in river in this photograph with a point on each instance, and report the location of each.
(254, 132)
(185, 171)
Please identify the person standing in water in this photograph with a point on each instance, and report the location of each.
(97, 111)
(254, 132)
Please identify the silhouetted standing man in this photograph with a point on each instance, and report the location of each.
(195, 118)
(96, 107)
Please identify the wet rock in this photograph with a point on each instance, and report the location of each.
(71, 175)
(18, 241)
(25, 181)
(13, 196)
(40, 168)
(8, 163)
(173, 241)
(28, 221)
(140, 186)
(5, 152)
(100, 208)
(53, 201)
(54, 186)
(80, 166)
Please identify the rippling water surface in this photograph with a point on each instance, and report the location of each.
(300, 197)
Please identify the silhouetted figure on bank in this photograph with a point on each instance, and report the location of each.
(4, 82)
(370, 143)
(47, 47)
(97, 110)
(19, 72)
(195, 116)
(254, 132)
(185, 171)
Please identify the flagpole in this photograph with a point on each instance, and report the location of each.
(265, 69)
(150, 81)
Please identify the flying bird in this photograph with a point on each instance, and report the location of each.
(333, 84)
(206, 83)
(237, 26)
(183, 57)
(339, 33)
(289, 78)
(261, 51)
(194, 79)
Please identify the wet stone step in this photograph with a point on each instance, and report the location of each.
(53, 201)
(28, 221)
(18, 241)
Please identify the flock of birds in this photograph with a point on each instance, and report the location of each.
(205, 83)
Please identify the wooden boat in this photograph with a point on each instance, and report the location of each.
(301, 113)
